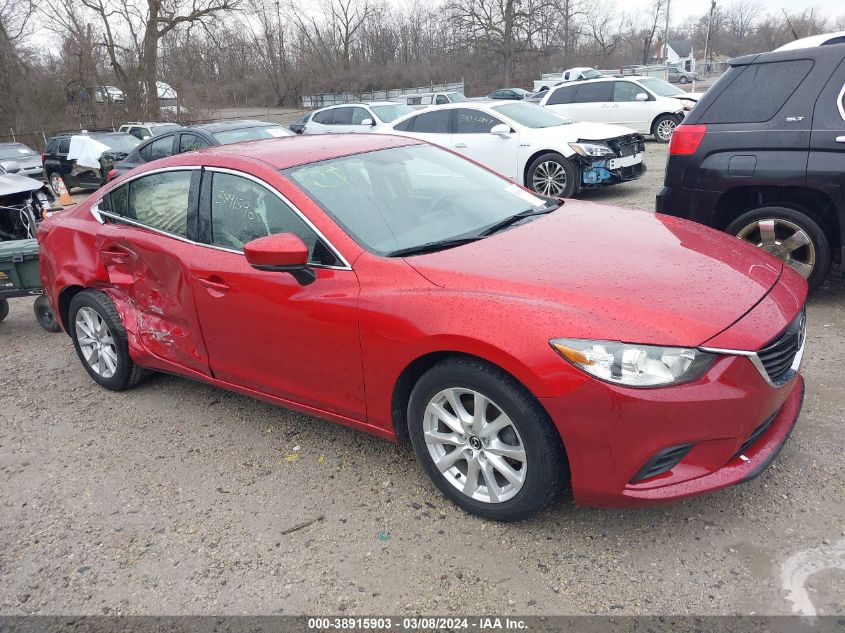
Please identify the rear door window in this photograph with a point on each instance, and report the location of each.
(342, 116)
(469, 121)
(758, 92)
(161, 148)
(437, 122)
(324, 117)
(160, 201)
(561, 95)
(191, 142)
(594, 93)
(64, 146)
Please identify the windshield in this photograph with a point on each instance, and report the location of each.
(661, 88)
(251, 134)
(403, 197)
(531, 115)
(520, 91)
(119, 142)
(456, 97)
(13, 152)
(388, 113)
(590, 73)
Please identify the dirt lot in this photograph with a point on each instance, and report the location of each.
(175, 498)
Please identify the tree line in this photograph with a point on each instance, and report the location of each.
(54, 54)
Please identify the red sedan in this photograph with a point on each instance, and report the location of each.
(522, 345)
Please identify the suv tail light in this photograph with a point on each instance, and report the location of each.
(42, 159)
(111, 175)
(686, 139)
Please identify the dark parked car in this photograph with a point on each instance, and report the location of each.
(762, 157)
(516, 94)
(188, 139)
(298, 126)
(27, 159)
(59, 166)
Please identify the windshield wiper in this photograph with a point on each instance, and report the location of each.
(550, 206)
(431, 247)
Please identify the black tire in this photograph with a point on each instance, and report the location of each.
(4, 308)
(546, 472)
(53, 175)
(819, 242)
(127, 374)
(45, 316)
(659, 125)
(683, 79)
(570, 170)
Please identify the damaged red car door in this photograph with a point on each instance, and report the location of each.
(143, 246)
(265, 330)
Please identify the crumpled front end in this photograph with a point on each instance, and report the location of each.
(625, 164)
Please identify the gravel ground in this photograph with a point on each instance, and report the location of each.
(177, 498)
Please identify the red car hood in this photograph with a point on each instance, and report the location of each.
(614, 274)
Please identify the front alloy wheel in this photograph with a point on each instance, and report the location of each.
(664, 127)
(475, 445)
(485, 441)
(549, 179)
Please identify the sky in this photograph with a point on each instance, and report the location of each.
(682, 9)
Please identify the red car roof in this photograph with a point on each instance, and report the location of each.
(290, 151)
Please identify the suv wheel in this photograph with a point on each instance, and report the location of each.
(789, 235)
(485, 442)
(663, 127)
(683, 79)
(56, 183)
(552, 175)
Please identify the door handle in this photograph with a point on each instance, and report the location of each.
(840, 139)
(115, 255)
(460, 145)
(214, 285)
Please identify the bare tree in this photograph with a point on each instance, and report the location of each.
(741, 16)
(658, 8)
(605, 25)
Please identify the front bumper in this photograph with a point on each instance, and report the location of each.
(611, 432)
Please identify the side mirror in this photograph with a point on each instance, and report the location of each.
(283, 252)
(10, 166)
(641, 96)
(502, 130)
(368, 121)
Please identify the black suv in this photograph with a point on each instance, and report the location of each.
(59, 167)
(762, 156)
(189, 139)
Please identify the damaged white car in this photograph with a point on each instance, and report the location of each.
(544, 151)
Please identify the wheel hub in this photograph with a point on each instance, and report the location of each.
(475, 445)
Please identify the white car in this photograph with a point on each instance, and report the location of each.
(355, 117)
(635, 102)
(546, 152)
(825, 39)
(423, 99)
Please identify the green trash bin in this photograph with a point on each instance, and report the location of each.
(19, 278)
(19, 268)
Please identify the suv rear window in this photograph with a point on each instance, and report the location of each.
(758, 92)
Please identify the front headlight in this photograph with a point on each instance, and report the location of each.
(592, 150)
(634, 365)
(688, 104)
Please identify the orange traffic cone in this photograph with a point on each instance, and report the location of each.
(64, 197)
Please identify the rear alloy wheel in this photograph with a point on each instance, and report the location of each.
(552, 175)
(45, 316)
(100, 341)
(485, 441)
(789, 235)
(664, 127)
(56, 184)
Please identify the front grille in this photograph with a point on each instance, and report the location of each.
(661, 462)
(777, 357)
(627, 145)
(757, 433)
